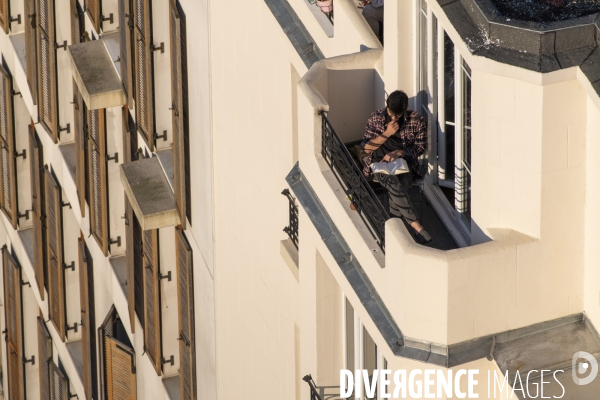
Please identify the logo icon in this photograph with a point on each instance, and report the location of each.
(582, 368)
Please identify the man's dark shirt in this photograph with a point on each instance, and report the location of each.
(410, 137)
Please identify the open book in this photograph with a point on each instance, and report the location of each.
(397, 167)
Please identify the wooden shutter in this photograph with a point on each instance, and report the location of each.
(86, 320)
(152, 331)
(30, 47)
(5, 15)
(8, 166)
(37, 206)
(54, 252)
(94, 11)
(46, 58)
(59, 384)
(98, 178)
(80, 147)
(185, 301)
(125, 34)
(120, 370)
(45, 355)
(14, 326)
(144, 79)
(181, 158)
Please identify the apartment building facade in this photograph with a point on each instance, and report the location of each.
(184, 215)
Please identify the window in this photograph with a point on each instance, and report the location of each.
(8, 166)
(79, 112)
(36, 159)
(45, 355)
(445, 96)
(54, 253)
(59, 384)
(117, 358)
(152, 324)
(98, 179)
(94, 11)
(362, 352)
(126, 58)
(88, 336)
(185, 292)
(47, 78)
(143, 66)
(179, 93)
(14, 326)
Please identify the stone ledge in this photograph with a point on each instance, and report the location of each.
(289, 253)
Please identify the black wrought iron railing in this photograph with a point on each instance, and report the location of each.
(314, 393)
(292, 228)
(350, 176)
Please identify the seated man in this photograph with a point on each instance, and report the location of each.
(397, 132)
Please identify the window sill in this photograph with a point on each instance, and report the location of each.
(172, 387)
(290, 255)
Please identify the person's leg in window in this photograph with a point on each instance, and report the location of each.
(374, 16)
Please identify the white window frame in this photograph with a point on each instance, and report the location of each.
(452, 217)
(359, 355)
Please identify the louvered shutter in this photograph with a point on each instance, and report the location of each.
(54, 251)
(80, 147)
(152, 331)
(120, 370)
(86, 320)
(180, 111)
(8, 166)
(5, 15)
(45, 355)
(14, 326)
(185, 301)
(94, 11)
(59, 384)
(37, 206)
(98, 179)
(144, 80)
(46, 58)
(125, 34)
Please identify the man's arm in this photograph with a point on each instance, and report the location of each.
(420, 143)
(372, 140)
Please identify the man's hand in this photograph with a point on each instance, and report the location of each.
(364, 3)
(391, 129)
(393, 155)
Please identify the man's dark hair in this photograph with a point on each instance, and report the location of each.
(397, 102)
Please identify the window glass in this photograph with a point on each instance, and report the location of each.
(349, 336)
(370, 354)
(449, 105)
(424, 92)
(466, 150)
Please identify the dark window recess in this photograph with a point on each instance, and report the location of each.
(292, 228)
(88, 333)
(36, 161)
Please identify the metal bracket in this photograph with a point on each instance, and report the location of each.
(161, 47)
(14, 93)
(173, 108)
(31, 360)
(163, 136)
(25, 283)
(170, 360)
(61, 46)
(66, 204)
(17, 20)
(67, 128)
(70, 266)
(109, 18)
(72, 328)
(115, 157)
(74, 394)
(117, 241)
(22, 154)
(167, 276)
(24, 215)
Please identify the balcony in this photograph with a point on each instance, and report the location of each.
(427, 303)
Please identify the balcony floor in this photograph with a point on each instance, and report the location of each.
(442, 239)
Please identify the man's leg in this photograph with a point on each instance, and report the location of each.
(397, 188)
(373, 16)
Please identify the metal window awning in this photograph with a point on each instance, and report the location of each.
(148, 190)
(96, 75)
